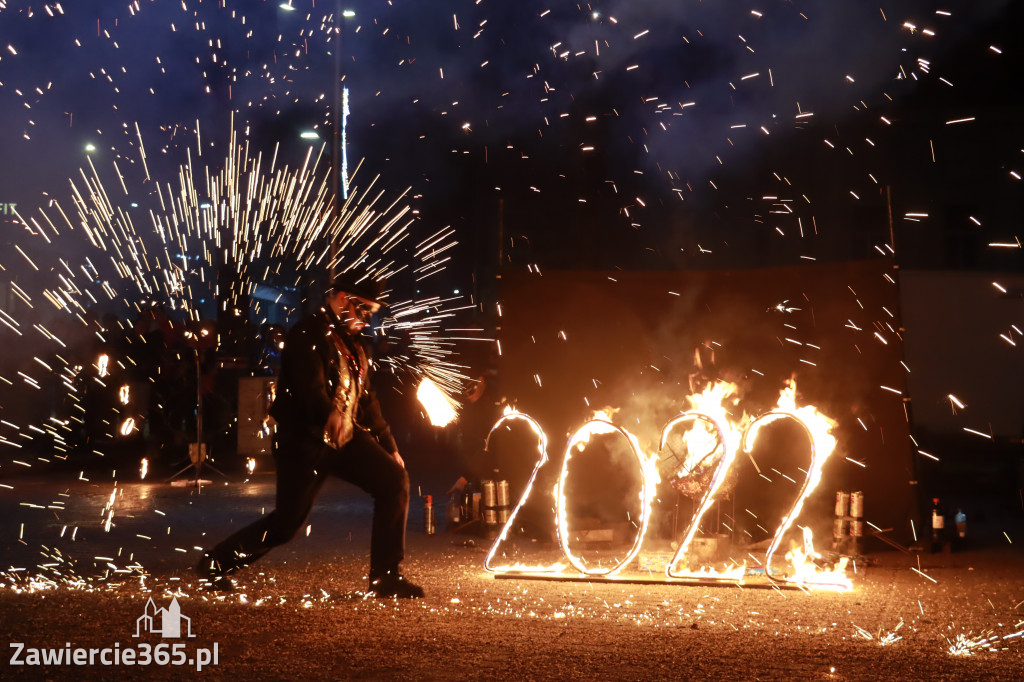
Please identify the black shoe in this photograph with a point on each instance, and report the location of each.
(393, 584)
(212, 577)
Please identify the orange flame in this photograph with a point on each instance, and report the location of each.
(818, 428)
(440, 408)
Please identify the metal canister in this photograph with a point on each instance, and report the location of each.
(857, 504)
(490, 491)
(502, 497)
(489, 505)
(839, 529)
(428, 515)
(856, 528)
(842, 503)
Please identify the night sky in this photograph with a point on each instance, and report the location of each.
(631, 134)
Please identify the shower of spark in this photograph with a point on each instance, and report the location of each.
(968, 644)
(260, 219)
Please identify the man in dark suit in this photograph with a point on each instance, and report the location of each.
(329, 422)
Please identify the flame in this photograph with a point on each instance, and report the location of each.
(818, 428)
(143, 468)
(124, 394)
(712, 431)
(809, 574)
(650, 478)
(101, 364)
(440, 408)
(713, 434)
(250, 465)
(729, 450)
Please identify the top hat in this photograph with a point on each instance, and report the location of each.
(360, 284)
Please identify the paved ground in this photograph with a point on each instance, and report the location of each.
(300, 612)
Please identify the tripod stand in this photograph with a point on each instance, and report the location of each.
(197, 451)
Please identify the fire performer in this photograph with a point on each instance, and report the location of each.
(329, 422)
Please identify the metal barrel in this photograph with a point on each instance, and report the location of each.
(842, 503)
(856, 528)
(502, 494)
(490, 498)
(857, 504)
(839, 529)
(489, 502)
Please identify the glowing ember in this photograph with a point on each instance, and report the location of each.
(143, 468)
(440, 408)
(250, 465)
(128, 426)
(101, 365)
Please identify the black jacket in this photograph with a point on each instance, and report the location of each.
(322, 370)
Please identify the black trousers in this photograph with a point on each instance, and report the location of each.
(303, 465)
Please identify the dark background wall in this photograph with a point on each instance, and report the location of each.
(954, 321)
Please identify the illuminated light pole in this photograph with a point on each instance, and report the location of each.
(339, 121)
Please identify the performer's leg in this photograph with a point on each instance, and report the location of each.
(366, 464)
(298, 482)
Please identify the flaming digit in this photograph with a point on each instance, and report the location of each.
(818, 428)
(542, 448)
(650, 478)
(725, 462)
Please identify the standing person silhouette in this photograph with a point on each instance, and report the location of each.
(329, 422)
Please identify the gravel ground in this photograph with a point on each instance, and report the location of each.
(300, 613)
